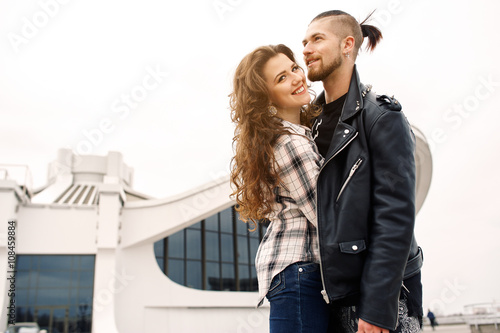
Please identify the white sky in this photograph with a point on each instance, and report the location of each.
(66, 71)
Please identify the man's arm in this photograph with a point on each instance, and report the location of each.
(392, 146)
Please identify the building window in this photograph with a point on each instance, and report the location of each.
(217, 253)
(56, 291)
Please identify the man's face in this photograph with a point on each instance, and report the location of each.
(322, 49)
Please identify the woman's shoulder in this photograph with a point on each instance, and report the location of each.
(297, 141)
(296, 132)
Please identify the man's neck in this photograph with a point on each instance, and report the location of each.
(337, 83)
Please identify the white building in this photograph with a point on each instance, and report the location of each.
(95, 256)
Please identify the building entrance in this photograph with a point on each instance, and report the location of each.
(54, 319)
(56, 291)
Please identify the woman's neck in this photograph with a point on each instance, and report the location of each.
(291, 115)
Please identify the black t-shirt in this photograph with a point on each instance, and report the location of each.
(325, 123)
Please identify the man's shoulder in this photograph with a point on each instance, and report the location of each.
(381, 103)
(380, 109)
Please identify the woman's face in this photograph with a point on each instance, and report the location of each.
(286, 83)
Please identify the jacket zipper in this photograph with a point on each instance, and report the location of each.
(323, 292)
(351, 173)
(338, 151)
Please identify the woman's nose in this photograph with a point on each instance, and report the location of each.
(297, 76)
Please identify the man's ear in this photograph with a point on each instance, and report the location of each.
(348, 44)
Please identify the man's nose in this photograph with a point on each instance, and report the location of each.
(307, 50)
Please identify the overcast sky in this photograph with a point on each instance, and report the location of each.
(150, 79)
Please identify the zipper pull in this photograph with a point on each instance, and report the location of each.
(355, 167)
(325, 296)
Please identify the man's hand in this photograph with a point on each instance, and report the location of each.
(364, 327)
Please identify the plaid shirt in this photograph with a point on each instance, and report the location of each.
(291, 236)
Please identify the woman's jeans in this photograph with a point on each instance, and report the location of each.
(296, 302)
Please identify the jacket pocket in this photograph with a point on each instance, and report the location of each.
(351, 173)
(353, 247)
(414, 264)
(350, 263)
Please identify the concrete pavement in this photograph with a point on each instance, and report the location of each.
(460, 328)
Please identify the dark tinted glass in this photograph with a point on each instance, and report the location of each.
(212, 245)
(55, 287)
(176, 245)
(207, 254)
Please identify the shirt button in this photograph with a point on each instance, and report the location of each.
(301, 269)
(354, 247)
(346, 131)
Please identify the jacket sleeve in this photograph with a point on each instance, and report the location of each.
(391, 144)
(299, 163)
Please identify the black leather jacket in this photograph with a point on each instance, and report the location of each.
(366, 206)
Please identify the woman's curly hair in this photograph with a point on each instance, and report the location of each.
(254, 171)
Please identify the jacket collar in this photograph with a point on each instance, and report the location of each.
(354, 99)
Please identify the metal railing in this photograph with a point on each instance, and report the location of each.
(484, 319)
(20, 174)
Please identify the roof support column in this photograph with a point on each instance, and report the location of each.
(107, 273)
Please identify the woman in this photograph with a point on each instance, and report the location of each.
(273, 174)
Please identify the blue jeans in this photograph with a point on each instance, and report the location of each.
(296, 302)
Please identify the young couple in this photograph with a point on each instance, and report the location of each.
(336, 180)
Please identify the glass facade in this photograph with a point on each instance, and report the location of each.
(217, 253)
(56, 291)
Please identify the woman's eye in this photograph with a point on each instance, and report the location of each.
(281, 78)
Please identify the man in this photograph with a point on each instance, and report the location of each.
(432, 319)
(370, 261)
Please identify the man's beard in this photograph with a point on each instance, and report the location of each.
(323, 73)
